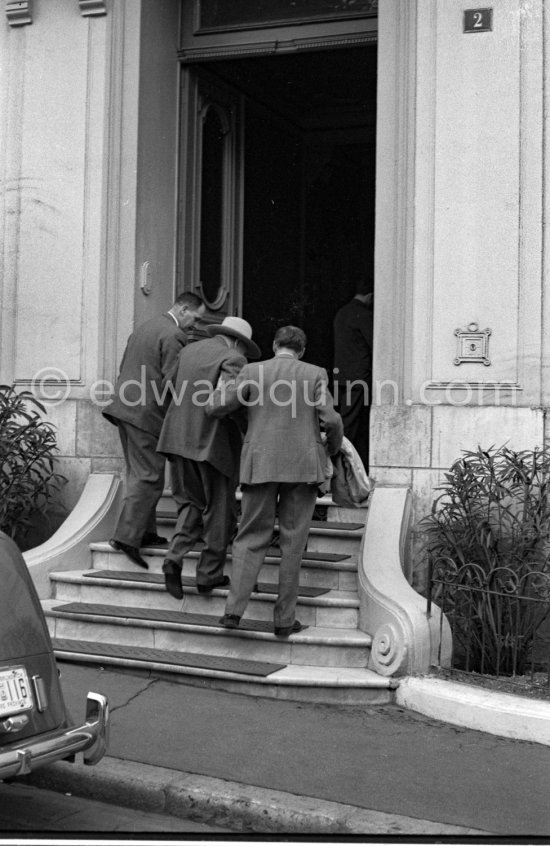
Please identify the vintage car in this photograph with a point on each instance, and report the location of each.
(35, 727)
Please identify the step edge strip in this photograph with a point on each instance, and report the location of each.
(105, 546)
(344, 564)
(348, 534)
(208, 630)
(180, 669)
(322, 600)
(383, 683)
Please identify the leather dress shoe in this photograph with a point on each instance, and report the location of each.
(152, 539)
(223, 582)
(285, 631)
(229, 621)
(131, 551)
(172, 583)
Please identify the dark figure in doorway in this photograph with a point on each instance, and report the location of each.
(353, 367)
(138, 409)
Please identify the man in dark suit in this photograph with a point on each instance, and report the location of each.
(282, 463)
(205, 452)
(353, 327)
(137, 409)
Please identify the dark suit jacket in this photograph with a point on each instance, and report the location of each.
(287, 401)
(187, 431)
(353, 342)
(150, 354)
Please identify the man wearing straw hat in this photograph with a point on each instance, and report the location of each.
(206, 452)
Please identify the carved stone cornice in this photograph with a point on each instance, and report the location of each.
(92, 8)
(19, 12)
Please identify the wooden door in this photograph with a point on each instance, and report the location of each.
(211, 193)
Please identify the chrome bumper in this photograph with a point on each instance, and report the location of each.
(91, 739)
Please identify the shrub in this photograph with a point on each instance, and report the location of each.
(487, 540)
(28, 479)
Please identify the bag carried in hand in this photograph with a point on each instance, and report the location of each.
(350, 486)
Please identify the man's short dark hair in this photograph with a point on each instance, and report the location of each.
(189, 299)
(291, 337)
(364, 286)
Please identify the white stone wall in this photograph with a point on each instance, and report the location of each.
(88, 159)
(460, 237)
(53, 84)
(415, 445)
(53, 88)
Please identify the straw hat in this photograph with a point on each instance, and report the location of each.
(236, 327)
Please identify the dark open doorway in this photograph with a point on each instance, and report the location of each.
(309, 177)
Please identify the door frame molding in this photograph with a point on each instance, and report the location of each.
(196, 85)
(188, 55)
(395, 208)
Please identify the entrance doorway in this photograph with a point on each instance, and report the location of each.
(299, 187)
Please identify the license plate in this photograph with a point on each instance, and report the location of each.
(15, 691)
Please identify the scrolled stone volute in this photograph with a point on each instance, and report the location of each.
(406, 640)
(388, 650)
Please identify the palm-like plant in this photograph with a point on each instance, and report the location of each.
(488, 543)
(28, 478)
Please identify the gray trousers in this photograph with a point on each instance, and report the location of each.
(205, 501)
(144, 484)
(295, 504)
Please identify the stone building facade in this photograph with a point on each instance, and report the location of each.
(264, 155)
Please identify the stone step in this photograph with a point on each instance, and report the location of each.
(330, 570)
(338, 609)
(176, 630)
(328, 685)
(326, 540)
(324, 535)
(167, 504)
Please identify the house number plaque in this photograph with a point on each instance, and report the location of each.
(478, 20)
(472, 345)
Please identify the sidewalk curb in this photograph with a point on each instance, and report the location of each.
(462, 704)
(240, 807)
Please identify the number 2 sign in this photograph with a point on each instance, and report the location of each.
(478, 20)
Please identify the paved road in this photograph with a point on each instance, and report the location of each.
(382, 758)
(27, 809)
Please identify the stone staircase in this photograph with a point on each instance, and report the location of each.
(116, 614)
